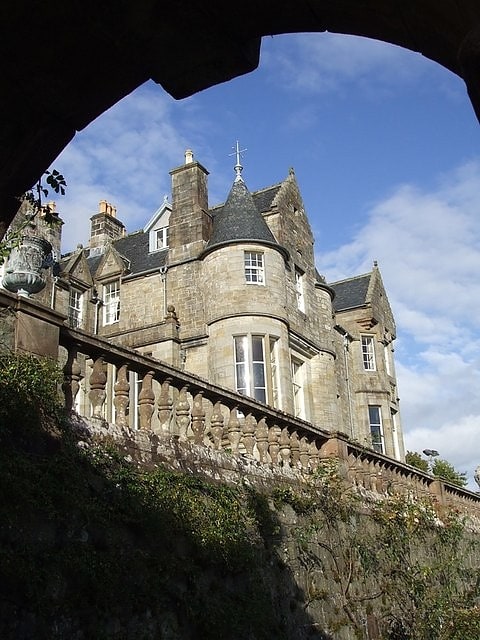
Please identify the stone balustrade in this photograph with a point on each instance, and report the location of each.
(134, 391)
(170, 402)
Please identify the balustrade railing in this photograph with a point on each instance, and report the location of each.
(136, 390)
(128, 389)
(173, 402)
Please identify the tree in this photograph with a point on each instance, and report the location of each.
(445, 470)
(440, 468)
(415, 460)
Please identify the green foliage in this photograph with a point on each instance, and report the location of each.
(397, 559)
(440, 468)
(28, 389)
(415, 459)
(445, 470)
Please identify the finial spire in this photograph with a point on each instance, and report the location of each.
(238, 167)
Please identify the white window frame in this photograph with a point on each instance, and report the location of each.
(368, 352)
(299, 289)
(376, 427)
(111, 302)
(161, 237)
(247, 384)
(75, 308)
(298, 382)
(254, 266)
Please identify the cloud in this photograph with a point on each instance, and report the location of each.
(124, 157)
(428, 247)
(326, 62)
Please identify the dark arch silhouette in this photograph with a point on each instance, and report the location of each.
(63, 64)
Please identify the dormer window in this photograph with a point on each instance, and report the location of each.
(160, 238)
(157, 227)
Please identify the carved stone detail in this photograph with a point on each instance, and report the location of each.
(234, 433)
(262, 440)
(248, 438)
(284, 442)
(198, 418)
(71, 381)
(182, 413)
(273, 444)
(165, 407)
(146, 402)
(216, 426)
(121, 399)
(97, 394)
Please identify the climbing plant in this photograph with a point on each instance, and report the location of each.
(389, 568)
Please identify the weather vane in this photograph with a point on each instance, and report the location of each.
(238, 155)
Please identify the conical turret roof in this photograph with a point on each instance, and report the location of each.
(239, 220)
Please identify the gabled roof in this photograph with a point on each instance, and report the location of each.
(265, 197)
(239, 219)
(165, 206)
(135, 249)
(351, 293)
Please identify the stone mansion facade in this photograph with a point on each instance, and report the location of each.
(232, 294)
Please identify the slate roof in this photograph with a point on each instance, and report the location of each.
(135, 249)
(239, 219)
(350, 293)
(264, 198)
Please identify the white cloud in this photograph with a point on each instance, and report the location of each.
(325, 62)
(123, 157)
(428, 248)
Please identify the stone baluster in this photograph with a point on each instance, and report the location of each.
(71, 380)
(284, 441)
(146, 402)
(273, 444)
(216, 426)
(182, 413)
(262, 440)
(121, 399)
(164, 404)
(295, 450)
(198, 418)
(313, 454)
(248, 437)
(97, 394)
(233, 432)
(304, 457)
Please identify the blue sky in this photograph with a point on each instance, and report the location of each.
(385, 147)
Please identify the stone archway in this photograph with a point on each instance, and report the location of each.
(66, 63)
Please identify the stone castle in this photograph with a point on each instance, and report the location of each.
(232, 294)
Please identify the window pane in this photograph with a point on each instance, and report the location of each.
(257, 348)
(258, 374)
(260, 395)
(368, 353)
(374, 415)
(241, 378)
(240, 349)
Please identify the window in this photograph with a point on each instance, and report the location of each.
(368, 353)
(254, 270)
(161, 238)
(111, 302)
(75, 308)
(299, 289)
(376, 431)
(297, 382)
(250, 378)
(274, 372)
